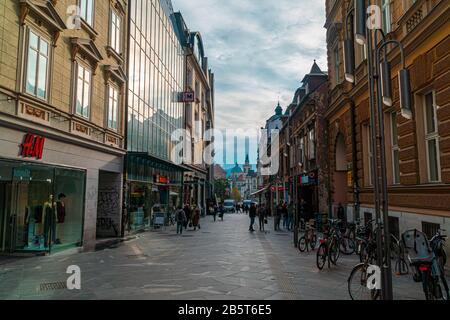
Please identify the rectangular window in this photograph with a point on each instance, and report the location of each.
(312, 144)
(386, 12)
(337, 63)
(83, 91)
(87, 11)
(113, 108)
(37, 65)
(395, 149)
(116, 34)
(432, 138)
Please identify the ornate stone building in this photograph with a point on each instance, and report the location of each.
(62, 82)
(417, 150)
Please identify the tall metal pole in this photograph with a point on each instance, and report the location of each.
(374, 160)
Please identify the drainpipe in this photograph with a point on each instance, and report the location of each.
(356, 198)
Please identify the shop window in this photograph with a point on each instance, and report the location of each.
(37, 65)
(44, 205)
(337, 65)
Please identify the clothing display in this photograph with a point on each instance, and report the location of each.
(49, 223)
(61, 211)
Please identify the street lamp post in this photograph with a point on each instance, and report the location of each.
(365, 34)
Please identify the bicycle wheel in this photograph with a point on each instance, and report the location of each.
(445, 294)
(334, 250)
(357, 284)
(347, 246)
(302, 244)
(321, 257)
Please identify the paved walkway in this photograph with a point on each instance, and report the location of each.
(220, 261)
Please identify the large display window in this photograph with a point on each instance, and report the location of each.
(42, 207)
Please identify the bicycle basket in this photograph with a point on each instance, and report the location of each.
(417, 246)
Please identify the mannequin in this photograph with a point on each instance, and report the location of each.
(49, 220)
(60, 212)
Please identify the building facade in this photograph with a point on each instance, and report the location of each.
(62, 126)
(156, 80)
(199, 118)
(303, 153)
(417, 150)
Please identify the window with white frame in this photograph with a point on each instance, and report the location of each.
(395, 149)
(37, 65)
(87, 11)
(337, 65)
(432, 138)
(83, 91)
(386, 12)
(312, 144)
(116, 33)
(113, 107)
(369, 167)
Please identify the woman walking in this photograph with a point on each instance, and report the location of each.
(262, 218)
(196, 218)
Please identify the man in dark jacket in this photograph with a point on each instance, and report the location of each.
(252, 215)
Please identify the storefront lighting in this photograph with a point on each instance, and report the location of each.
(386, 83)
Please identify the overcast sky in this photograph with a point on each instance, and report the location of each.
(259, 51)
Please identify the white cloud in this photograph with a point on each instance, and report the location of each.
(259, 50)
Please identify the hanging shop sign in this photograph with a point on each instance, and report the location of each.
(310, 178)
(188, 97)
(32, 146)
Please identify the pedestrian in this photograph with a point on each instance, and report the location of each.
(196, 218)
(252, 215)
(187, 212)
(262, 218)
(214, 212)
(278, 213)
(180, 217)
(285, 213)
(341, 216)
(290, 225)
(221, 211)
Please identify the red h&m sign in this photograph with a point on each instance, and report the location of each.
(32, 146)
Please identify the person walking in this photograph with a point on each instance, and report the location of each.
(290, 225)
(262, 218)
(278, 214)
(187, 212)
(180, 217)
(196, 218)
(252, 215)
(221, 211)
(214, 212)
(285, 213)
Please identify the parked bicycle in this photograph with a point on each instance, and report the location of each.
(309, 239)
(428, 269)
(398, 256)
(329, 248)
(438, 246)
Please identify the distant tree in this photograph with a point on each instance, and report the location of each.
(236, 195)
(221, 187)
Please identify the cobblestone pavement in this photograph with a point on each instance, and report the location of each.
(220, 261)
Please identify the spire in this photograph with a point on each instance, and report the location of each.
(247, 159)
(279, 110)
(315, 68)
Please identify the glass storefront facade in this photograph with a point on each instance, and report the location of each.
(41, 207)
(147, 196)
(156, 79)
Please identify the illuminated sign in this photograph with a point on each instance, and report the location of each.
(32, 146)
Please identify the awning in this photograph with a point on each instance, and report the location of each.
(259, 192)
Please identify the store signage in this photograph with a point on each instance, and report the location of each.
(162, 179)
(32, 146)
(188, 97)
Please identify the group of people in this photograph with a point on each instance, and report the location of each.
(262, 213)
(284, 212)
(187, 216)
